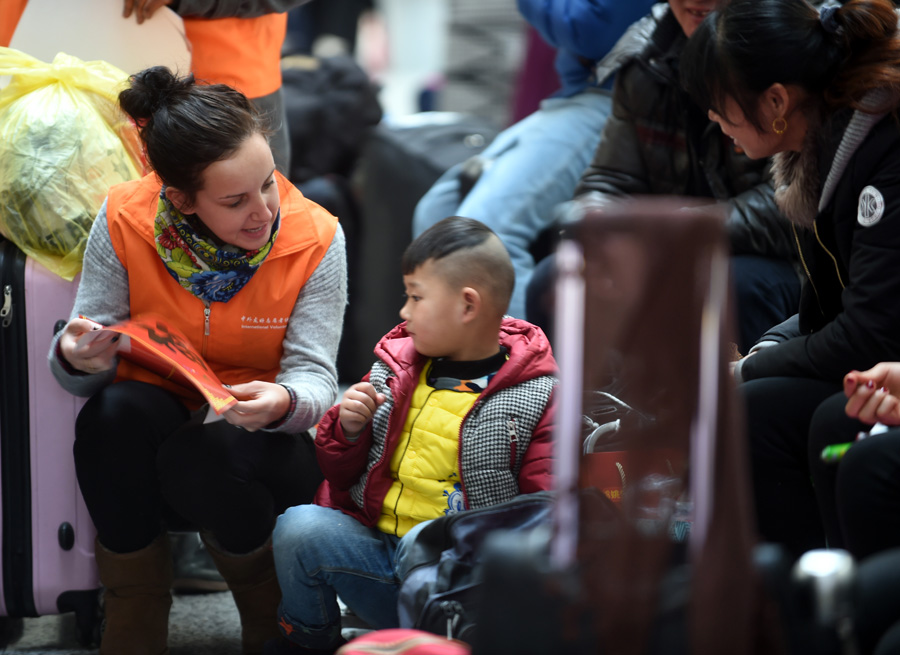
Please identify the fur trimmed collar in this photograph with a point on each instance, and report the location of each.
(799, 191)
(797, 180)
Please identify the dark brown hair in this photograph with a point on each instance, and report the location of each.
(747, 46)
(186, 126)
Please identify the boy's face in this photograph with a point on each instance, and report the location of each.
(433, 312)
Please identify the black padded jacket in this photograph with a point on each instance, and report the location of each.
(657, 141)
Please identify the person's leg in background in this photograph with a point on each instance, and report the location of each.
(779, 412)
(767, 292)
(527, 171)
(232, 484)
(867, 494)
(876, 619)
(194, 570)
(830, 425)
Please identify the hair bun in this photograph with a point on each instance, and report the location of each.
(150, 90)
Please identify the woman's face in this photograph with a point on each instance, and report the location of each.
(754, 143)
(239, 199)
(690, 13)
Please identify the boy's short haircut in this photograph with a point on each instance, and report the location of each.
(469, 254)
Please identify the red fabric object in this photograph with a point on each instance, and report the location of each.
(403, 641)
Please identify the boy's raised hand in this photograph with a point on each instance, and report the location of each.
(874, 395)
(358, 405)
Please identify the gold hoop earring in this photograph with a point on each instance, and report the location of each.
(779, 125)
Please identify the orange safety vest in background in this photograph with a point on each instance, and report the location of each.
(10, 13)
(242, 52)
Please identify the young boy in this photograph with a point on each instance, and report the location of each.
(451, 417)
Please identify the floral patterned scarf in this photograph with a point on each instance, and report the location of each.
(210, 272)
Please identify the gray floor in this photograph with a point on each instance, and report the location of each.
(201, 624)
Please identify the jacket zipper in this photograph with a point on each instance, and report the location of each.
(806, 269)
(837, 270)
(513, 442)
(462, 425)
(206, 311)
(453, 613)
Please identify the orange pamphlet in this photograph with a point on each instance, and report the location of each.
(150, 341)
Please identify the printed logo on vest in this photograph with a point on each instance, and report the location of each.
(871, 206)
(263, 323)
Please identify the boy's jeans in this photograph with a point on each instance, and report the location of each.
(321, 553)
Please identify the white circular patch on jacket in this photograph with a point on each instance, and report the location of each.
(871, 206)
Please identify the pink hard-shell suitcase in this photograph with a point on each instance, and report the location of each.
(46, 534)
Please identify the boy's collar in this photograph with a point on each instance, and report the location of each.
(467, 375)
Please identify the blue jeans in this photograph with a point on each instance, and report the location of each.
(322, 553)
(530, 168)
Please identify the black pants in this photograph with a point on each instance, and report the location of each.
(859, 498)
(780, 416)
(877, 614)
(144, 464)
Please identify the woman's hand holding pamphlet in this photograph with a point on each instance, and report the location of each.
(150, 341)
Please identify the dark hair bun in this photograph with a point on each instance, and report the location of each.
(150, 90)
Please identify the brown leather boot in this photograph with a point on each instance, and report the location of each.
(136, 598)
(253, 584)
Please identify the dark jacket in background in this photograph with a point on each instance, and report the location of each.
(657, 141)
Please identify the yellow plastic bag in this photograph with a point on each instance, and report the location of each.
(63, 143)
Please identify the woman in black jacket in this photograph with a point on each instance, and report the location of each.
(821, 89)
(658, 142)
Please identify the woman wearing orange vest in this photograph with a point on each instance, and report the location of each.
(223, 246)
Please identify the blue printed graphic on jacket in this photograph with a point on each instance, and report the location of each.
(454, 499)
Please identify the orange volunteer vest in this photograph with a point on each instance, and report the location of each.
(241, 340)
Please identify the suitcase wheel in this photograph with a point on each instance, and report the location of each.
(85, 604)
(88, 621)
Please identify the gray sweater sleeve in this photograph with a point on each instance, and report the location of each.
(308, 365)
(102, 296)
(233, 8)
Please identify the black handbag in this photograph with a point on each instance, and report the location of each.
(442, 571)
